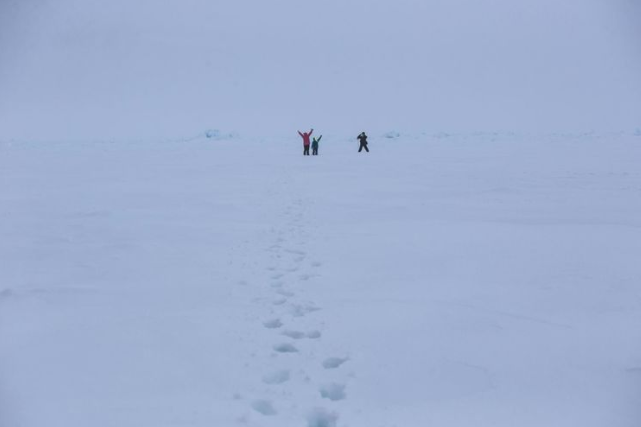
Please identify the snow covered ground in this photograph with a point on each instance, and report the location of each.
(440, 280)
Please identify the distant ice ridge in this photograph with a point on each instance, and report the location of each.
(392, 134)
(211, 135)
(216, 134)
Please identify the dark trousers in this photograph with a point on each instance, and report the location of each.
(363, 146)
(306, 150)
(315, 151)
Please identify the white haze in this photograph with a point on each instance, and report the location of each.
(73, 69)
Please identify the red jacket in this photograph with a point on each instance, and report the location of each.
(306, 136)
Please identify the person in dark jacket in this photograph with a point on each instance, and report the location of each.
(363, 140)
(315, 145)
(306, 143)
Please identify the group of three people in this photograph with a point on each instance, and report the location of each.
(314, 142)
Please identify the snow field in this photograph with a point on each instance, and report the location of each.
(459, 280)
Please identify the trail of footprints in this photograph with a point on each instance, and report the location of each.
(288, 309)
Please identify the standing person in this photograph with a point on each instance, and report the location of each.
(363, 140)
(315, 145)
(305, 137)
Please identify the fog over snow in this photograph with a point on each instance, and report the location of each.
(169, 258)
(153, 69)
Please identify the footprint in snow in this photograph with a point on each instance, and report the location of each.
(313, 335)
(296, 252)
(285, 293)
(297, 335)
(279, 301)
(332, 391)
(277, 377)
(334, 362)
(264, 407)
(285, 348)
(299, 310)
(294, 334)
(320, 417)
(273, 324)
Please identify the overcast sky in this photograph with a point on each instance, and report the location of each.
(170, 68)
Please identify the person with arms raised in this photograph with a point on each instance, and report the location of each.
(315, 142)
(306, 141)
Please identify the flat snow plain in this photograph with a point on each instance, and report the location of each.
(440, 280)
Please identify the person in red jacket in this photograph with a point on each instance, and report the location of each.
(306, 141)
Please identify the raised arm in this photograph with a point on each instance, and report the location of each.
(300, 134)
(319, 138)
(310, 132)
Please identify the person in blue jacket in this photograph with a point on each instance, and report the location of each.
(315, 142)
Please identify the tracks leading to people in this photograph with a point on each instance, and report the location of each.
(300, 383)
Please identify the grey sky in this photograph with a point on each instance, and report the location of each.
(149, 68)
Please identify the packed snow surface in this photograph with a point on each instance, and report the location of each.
(485, 280)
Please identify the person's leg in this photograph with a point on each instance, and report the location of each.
(360, 148)
(366, 149)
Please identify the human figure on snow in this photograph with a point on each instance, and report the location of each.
(306, 142)
(315, 145)
(363, 140)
